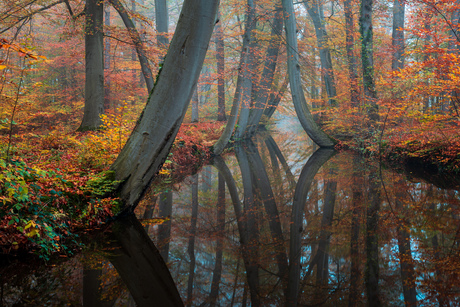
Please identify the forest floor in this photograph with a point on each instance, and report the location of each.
(50, 184)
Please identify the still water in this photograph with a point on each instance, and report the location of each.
(275, 223)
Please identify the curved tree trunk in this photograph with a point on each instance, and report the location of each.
(141, 53)
(151, 140)
(94, 66)
(303, 113)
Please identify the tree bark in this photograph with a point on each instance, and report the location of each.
(151, 140)
(398, 35)
(315, 10)
(140, 49)
(351, 57)
(220, 61)
(303, 113)
(195, 117)
(107, 59)
(162, 23)
(94, 66)
(367, 56)
(264, 85)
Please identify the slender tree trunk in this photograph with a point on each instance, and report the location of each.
(315, 10)
(367, 58)
(264, 85)
(217, 273)
(164, 229)
(220, 61)
(372, 242)
(94, 66)
(303, 113)
(107, 59)
(274, 100)
(399, 7)
(191, 240)
(195, 117)
(140, 49)
(247, 68)
(151, 140)
(162, 23)
(351, 57)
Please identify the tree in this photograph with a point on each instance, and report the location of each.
(151, 140)
(220, 60)
(303, 113)
(94, 65)
(367, 58)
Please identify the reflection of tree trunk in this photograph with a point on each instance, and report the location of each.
(251, 228)
(356, 213)
(140, 265)
(262, 183)
(191, 240)
(273, 148)
(405, 254)
(92, 289)
(309, 171)
(322, 255)
(216, 275)
(164, 229)
(372, 241)
(148, 213)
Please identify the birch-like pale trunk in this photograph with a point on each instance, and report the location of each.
(162, 23)
(300, 104)
(150, 142)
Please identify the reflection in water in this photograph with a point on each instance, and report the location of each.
(272, 224)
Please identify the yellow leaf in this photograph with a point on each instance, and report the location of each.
(2, 67)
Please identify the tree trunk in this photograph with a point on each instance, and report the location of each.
(140, 49)
(303, 113)
(220, 61)
(367, 56)
(195, 116)
(351, 58)
(164, 229)
(94, 66)
(247, 68)
(107, 59)
(162, 23)
(398, 35)
(264, 85)
(151, 140)
(315, 10)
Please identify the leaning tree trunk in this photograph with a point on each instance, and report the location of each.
(140, 49)
(220, 62)
(151, 140)
(94, 66)
(303, 113)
